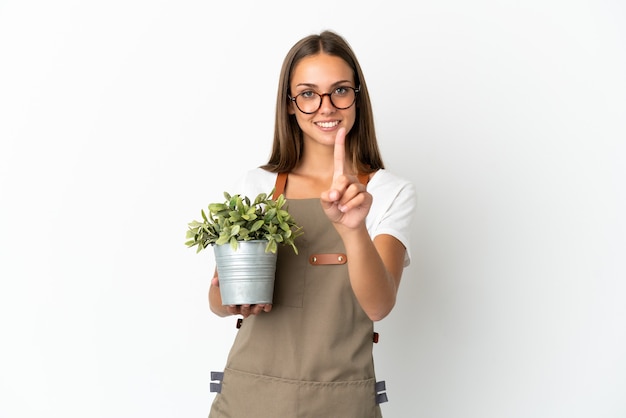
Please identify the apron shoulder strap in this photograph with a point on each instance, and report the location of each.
(281, 182)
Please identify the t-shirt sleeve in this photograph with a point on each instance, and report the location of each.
(394, 209)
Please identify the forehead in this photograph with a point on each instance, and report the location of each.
(321, 70)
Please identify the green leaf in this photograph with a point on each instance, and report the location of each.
(223, 239)
(270, 214)
(215, 208)
(271, 247)
(257, 225)
(233, 202)
(260, 198)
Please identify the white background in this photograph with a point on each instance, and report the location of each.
(120, 120)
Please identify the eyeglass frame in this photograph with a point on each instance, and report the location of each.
(356, 90)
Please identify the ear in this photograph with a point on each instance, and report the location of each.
(291, 108)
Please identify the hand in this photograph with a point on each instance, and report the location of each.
(247, 310)
(347, 202)
(243, 310)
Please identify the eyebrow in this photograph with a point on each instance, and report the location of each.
(311, 85)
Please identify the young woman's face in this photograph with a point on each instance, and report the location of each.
(323, 74)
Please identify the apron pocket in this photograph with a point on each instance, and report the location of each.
(246, 394)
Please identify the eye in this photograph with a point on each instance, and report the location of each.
(308, 95)
(341, 91)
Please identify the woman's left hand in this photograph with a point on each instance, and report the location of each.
(243, 310)
(347, 203)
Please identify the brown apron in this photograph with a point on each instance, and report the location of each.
(311, 356)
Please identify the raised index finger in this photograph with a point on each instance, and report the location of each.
(340, 152)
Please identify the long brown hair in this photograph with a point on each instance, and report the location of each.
(361, 143)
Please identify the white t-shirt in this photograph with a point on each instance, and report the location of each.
(393, 206)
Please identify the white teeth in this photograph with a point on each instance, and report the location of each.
(327, 124)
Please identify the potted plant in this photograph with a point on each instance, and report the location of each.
(253, 230)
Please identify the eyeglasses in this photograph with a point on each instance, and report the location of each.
(310, 101)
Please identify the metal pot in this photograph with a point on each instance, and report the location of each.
(247, 274)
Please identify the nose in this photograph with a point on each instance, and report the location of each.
(327, 105)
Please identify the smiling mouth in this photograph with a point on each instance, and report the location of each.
(327, 124)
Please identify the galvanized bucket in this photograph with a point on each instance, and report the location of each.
(246, 275)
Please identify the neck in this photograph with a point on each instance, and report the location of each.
(318, 160)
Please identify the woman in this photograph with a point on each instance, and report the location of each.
(310, 353)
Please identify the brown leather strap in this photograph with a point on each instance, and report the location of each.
(326, 259)
(281, 182)
(364, 178)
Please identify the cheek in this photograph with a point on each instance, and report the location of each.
(352, 119)
(302, 120)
